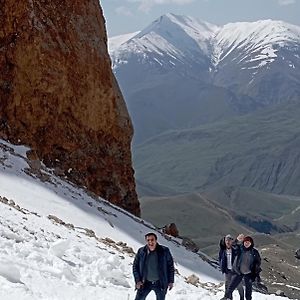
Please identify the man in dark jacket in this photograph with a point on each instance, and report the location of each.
(153, 269)
(228, 252)
(246, 265)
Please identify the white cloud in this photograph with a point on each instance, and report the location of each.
(146, 5)
(122, 10)
(286, 2)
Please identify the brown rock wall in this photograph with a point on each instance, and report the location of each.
(58, 94)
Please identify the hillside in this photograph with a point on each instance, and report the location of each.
(258, 151)
(197, 218)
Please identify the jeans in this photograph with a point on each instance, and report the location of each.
(235, 281)
(228, 279)
(149, 286)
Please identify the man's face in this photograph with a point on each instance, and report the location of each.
(151, 242)
(228, 243)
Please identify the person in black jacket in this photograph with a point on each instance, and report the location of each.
(228, 252)
(153, 269)
(246, 265)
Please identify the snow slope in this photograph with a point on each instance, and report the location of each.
(116, 41)
(260, 40)
(59, 242)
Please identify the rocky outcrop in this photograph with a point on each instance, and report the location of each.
(171, 229)
(58, 94)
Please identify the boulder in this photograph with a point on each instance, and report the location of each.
(193, 279)
(171, 229)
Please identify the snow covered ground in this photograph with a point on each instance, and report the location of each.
(57, 242)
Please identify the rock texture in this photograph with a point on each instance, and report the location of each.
(58, 94)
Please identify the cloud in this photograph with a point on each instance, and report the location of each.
(286, 2)
(122, 10)
(146, 5)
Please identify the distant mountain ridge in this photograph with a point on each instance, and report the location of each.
(179, 35)
(194, 66)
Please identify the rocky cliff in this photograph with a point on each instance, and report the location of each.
(59, 96)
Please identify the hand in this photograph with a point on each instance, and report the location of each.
(240, 237)
(139, 285)
(170, 286)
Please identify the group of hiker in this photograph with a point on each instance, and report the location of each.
(153, 267)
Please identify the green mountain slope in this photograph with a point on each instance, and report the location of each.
(259, 150)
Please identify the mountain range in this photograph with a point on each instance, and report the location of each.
(219, 105)
(180, 72)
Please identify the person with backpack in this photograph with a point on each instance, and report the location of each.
(227, 254)
(153, 269)
(247, 266)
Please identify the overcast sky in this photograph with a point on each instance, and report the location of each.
(125, 16)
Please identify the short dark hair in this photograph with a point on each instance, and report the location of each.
(149, 234)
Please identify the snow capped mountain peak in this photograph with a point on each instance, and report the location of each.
(171, 23)
(186, 39)
(264, 31)
(116, 41)
(259, 40)
(179, 39)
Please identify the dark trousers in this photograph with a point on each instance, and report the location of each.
(235, 281)
(228, 280)
(149, 286)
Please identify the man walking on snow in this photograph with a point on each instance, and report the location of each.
(153, 269)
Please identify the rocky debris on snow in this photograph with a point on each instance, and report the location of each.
(99, 208)
(60, 222)
(12, 204)
(44, 177)
(90, 232)
(119, 246)
(193, 279)
(190, 245)
(128, 250)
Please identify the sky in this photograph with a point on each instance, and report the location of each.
(125, 16)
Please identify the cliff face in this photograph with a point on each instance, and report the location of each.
(58, 94)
